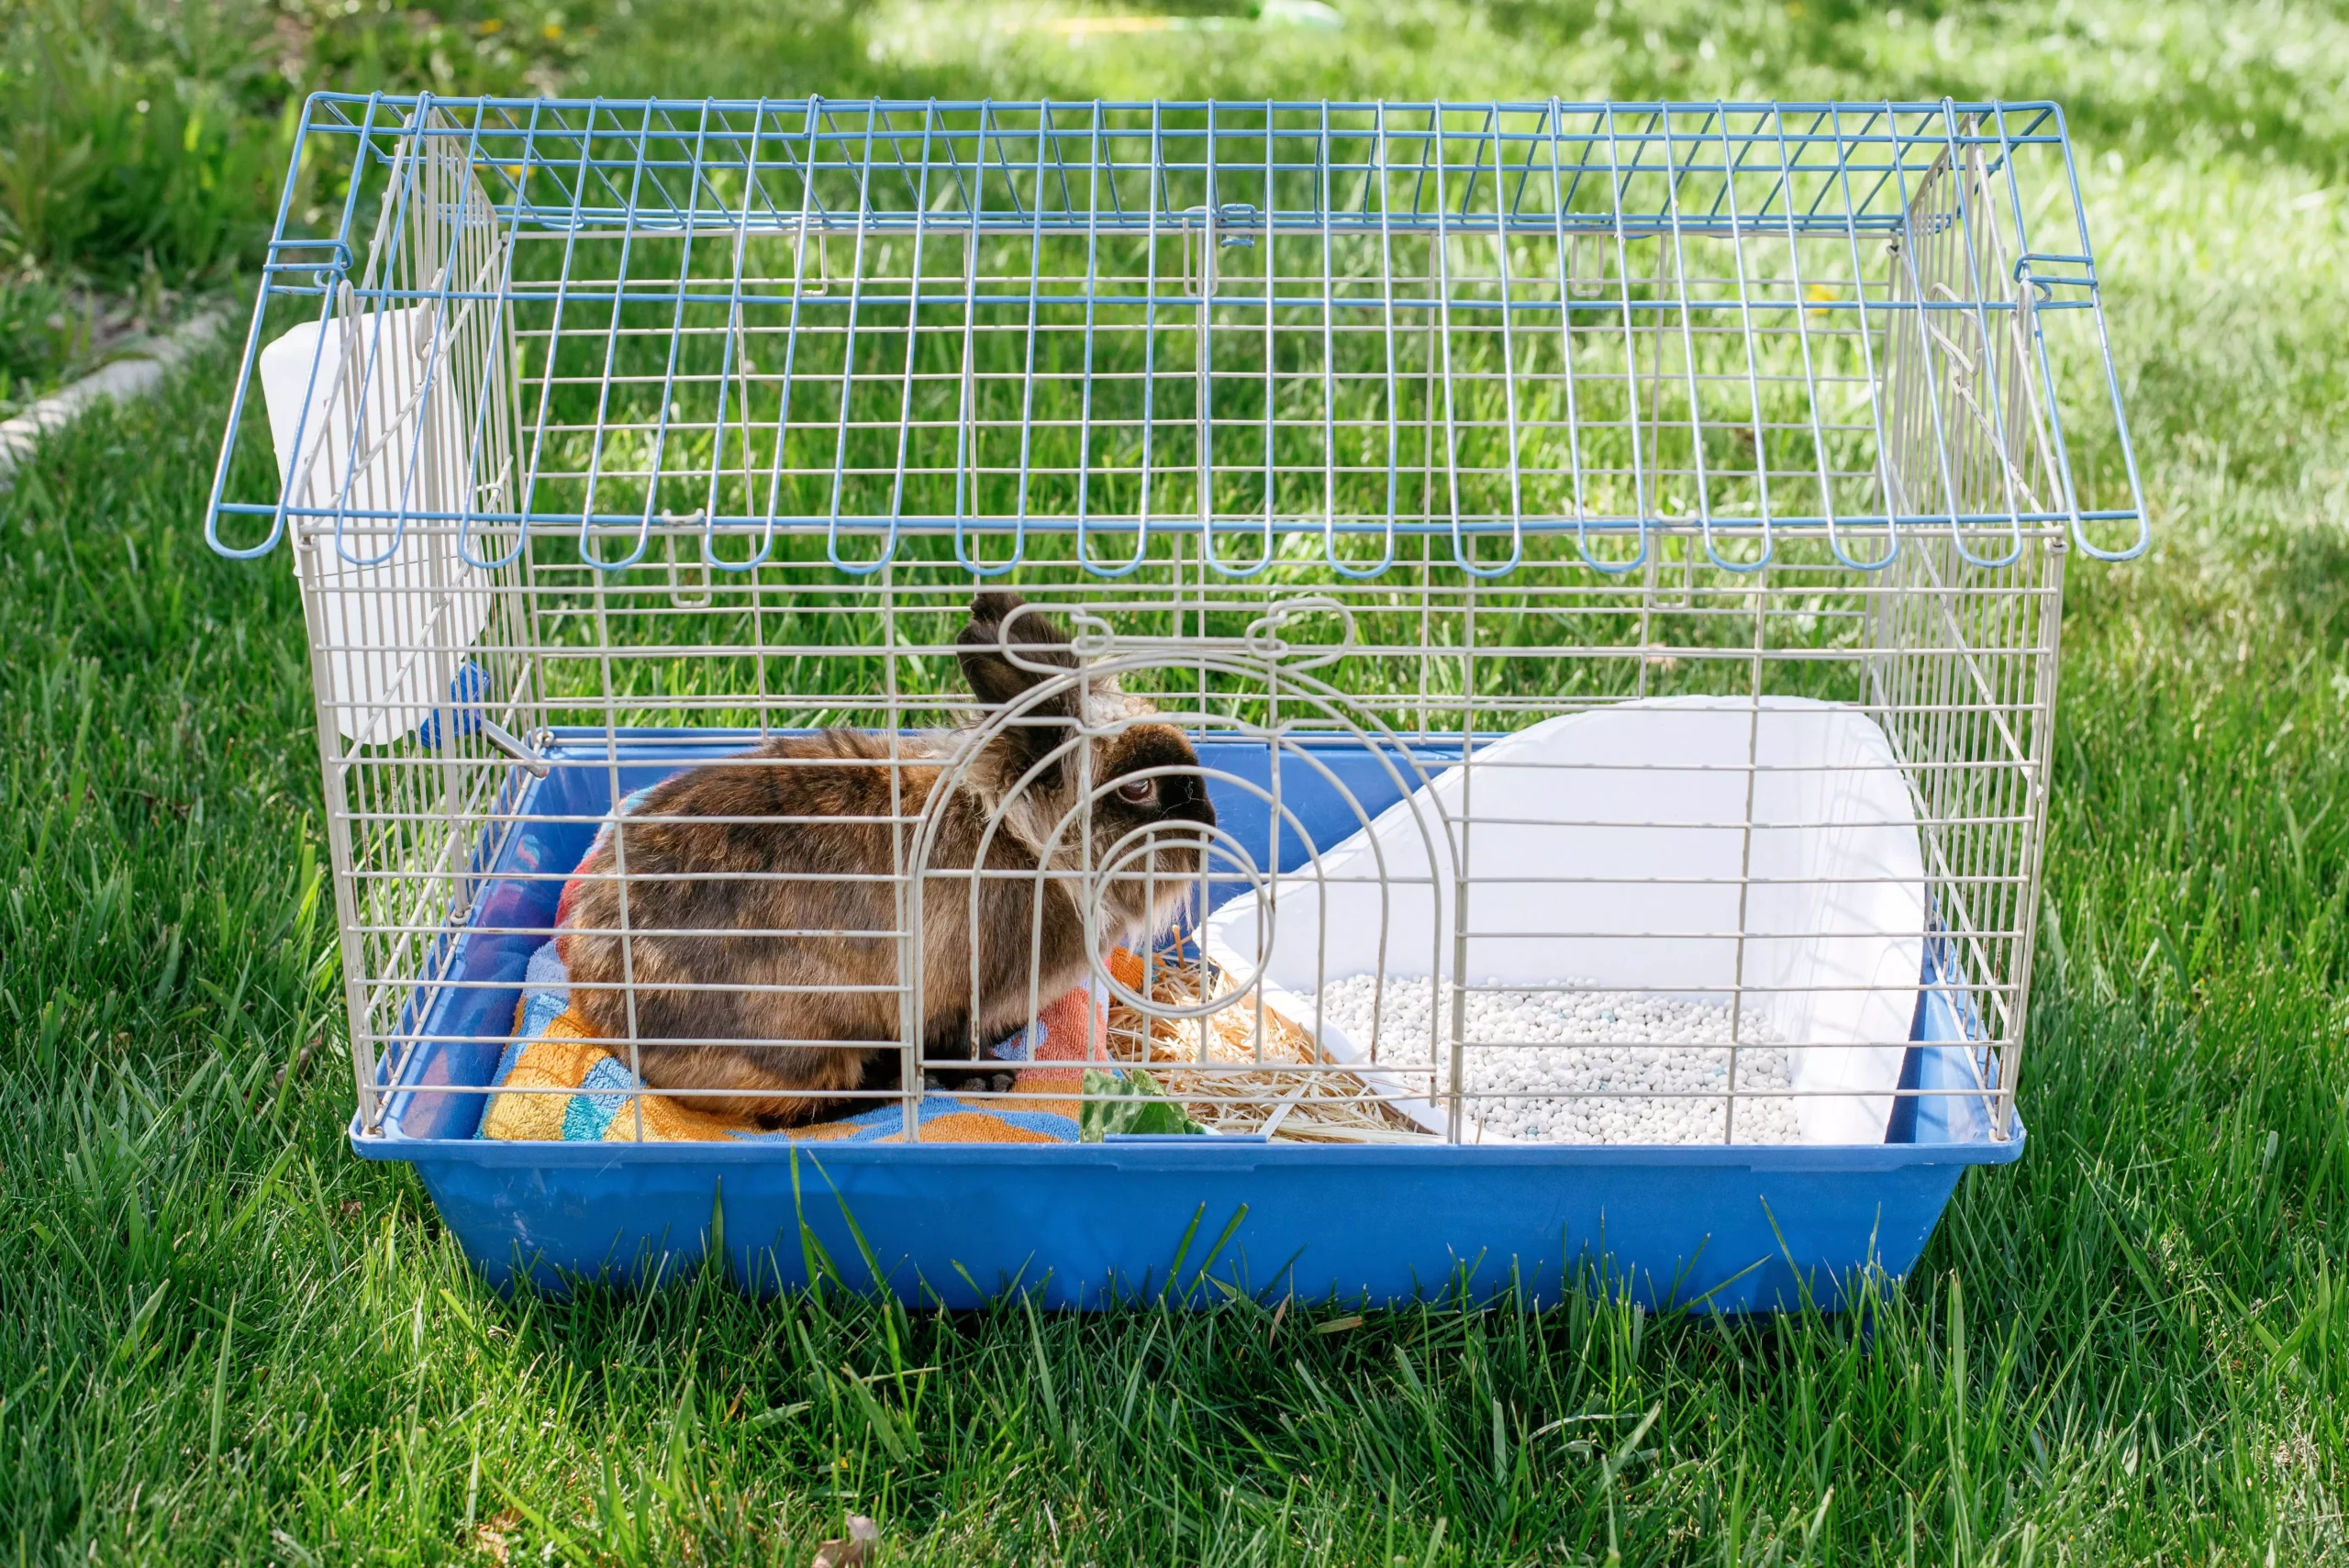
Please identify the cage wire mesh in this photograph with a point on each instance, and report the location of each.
(1604, 561)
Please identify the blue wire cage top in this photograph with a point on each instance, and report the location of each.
(1293, 331)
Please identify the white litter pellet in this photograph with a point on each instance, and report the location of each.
(1565, 1062)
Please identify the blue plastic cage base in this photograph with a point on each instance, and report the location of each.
(1732, 1229)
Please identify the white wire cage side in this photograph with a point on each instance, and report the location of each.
(1378, 446)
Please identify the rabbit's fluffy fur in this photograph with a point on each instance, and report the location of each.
(761, 906)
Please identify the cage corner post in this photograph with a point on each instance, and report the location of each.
(369, 1068)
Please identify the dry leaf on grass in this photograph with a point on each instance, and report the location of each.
(854, 1550)
(490, 1534)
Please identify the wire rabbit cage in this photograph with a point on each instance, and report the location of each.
(1314, 697)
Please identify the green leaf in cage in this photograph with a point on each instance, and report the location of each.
(1137, 1107)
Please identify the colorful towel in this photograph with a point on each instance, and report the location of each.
(552, 1052)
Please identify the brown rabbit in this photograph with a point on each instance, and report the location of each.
(762, 916)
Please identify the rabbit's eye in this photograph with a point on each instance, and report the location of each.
(1138, 792)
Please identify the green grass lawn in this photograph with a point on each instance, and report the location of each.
(224, 1339)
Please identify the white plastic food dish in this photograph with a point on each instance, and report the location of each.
(1608, 844)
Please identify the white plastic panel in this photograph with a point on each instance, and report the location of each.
(388, 437)
(1611, 846)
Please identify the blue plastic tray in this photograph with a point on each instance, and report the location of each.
(1733, 1228)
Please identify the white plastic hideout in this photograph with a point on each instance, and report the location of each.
(379, 413)
(1611, 846)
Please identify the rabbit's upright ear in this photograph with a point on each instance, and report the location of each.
(1009, 648)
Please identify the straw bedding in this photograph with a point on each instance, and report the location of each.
(1233, 1083)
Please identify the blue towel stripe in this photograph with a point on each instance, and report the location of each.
(603, 1093)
